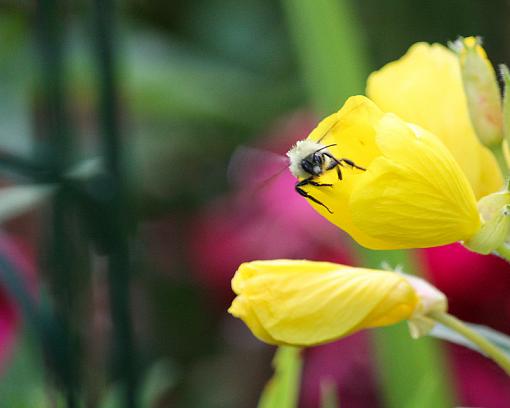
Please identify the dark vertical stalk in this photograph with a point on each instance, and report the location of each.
(55, 130)
(49, 37)
(118, 245)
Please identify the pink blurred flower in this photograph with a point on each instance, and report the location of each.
(477, 288)
(18, 253)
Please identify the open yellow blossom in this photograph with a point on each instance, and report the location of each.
(306, 303)
(413, 193)
(425, 87)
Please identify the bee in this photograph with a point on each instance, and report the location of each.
(309, 160)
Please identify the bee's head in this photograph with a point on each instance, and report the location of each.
(313, 164)
(307, 159)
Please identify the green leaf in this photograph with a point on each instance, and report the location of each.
(23, 384)
(330, 48)
(282, 390)
(160, 378)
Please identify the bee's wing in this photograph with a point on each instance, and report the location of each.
(254, 168)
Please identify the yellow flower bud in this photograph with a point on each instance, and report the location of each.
(425, 87)
(413, 193)
(305, 303)
(482, 90)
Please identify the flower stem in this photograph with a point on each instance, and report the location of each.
(489, 349)
(497, 151)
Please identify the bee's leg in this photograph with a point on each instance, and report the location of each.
(339, 172)
(340, 162)
(335, 163)
(352, 164)
(314, 183)
(303, 193)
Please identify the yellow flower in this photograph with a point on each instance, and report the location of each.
(413, 193)
(425, 87)
(304, 303)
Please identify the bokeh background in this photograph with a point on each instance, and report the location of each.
(119, 119)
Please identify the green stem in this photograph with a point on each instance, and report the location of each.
(490, 350)
(497, 151)
(57, 154)
(117, 204)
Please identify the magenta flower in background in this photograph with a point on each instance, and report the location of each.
(478, 289)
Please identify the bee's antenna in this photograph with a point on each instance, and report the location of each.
(325, 147)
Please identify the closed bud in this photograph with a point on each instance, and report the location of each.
(306, 303)
(482, 90)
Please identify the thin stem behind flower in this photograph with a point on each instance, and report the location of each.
(489, 349)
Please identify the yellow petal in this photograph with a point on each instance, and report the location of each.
(305, 303)
(352, 130)
(414, 195)
(425, 87)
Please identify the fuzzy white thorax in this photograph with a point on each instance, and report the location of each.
(298, 152)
